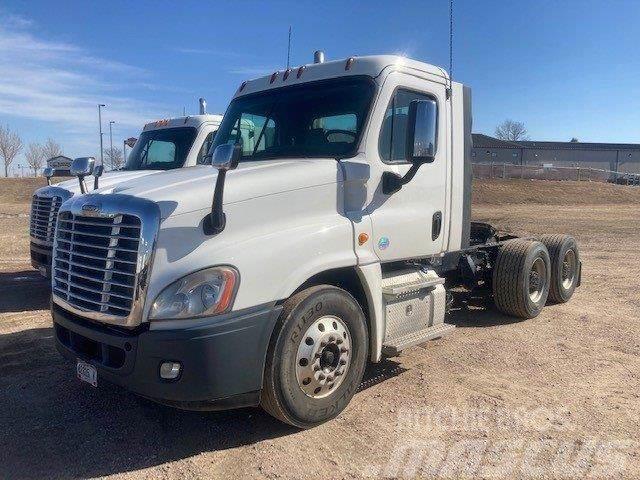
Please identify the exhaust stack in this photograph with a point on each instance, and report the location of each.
(318, 56)
(203, 106)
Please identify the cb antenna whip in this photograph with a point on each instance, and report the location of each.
(289, 48)
(450, 41)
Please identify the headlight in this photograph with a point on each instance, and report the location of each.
(200, 294)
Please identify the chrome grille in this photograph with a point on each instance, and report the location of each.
(43, 217)
(95, 262)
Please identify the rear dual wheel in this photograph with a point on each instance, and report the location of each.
(521, 278)
(316, 358)
(565, 266)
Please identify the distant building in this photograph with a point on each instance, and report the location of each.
(621, 157)
(60, 164)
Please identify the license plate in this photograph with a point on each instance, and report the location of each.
(87, 373)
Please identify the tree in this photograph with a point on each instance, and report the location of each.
(51, 149)
(10, 146)
(574, 140)
(35, 157)
(117, 161)
(512, 131)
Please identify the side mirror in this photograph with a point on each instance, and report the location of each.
(82, 167)
(225, 157)
(422, 123)
(97, 173)
(421, 131)
(47, 173)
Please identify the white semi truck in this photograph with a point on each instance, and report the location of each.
(330, 240)
(163, 145)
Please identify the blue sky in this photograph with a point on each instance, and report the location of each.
(565, 69)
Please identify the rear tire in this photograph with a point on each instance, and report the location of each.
(565, 266)
(521, 277)
(316, 358)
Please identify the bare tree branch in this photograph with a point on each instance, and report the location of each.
(10, 146)
(117, 161)
(512, 131)
(35, 157)
(51, 149)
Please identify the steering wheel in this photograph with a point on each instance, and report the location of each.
(327, 133)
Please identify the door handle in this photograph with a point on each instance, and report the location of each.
(436, 225)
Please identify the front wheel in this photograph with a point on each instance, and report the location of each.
(316, 358)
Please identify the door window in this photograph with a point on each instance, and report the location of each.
(393, 135)
(200, 160)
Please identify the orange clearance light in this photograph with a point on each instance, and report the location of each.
(286, 74)
(362, 238)
(300, 71)
(274, 75)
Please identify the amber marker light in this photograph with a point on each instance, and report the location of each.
(362, 238)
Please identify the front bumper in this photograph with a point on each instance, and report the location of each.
(41, 258)
(222, 357)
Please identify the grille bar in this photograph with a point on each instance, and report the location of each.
(95, 262)
(44, 211)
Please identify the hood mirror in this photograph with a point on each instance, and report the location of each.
(48, 172)
(82, 167)
(224, 157)
(97, 173)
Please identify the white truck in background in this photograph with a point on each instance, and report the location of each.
(272, 277)
(162, 145)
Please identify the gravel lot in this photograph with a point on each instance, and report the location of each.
(557, 396)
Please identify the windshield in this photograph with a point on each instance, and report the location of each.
(319, 119)
(162, 149)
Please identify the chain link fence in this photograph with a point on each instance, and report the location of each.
(539, 172)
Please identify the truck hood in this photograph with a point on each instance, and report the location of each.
(107, 181)
(191, 189)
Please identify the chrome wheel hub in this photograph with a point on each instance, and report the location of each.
(537, 280)
(323, 356)
(569, 268)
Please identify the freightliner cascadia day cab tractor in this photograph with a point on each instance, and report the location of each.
(162, 145)
(273, 276)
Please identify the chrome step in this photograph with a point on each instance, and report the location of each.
(410, 282)
(392, 347)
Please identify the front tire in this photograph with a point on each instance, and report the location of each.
(521, 277)
(316, 358)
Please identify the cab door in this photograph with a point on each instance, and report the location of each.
(410, 222)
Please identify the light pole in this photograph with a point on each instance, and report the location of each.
(124, 152)
(100, 105)
(111, 142)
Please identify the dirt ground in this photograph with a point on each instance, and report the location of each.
(553, 397)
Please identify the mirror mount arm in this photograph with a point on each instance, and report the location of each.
(216, 220)
(83, 187)
(392, 182)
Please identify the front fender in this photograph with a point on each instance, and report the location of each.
(276, 242)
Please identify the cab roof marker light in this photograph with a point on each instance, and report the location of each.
(242, 85)
(274, 75)
(300, 71)
(286, 74)
(349, 63)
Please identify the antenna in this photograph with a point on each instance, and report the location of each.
(450, 41)
(289, 48)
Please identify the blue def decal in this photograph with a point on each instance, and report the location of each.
(383, 243)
